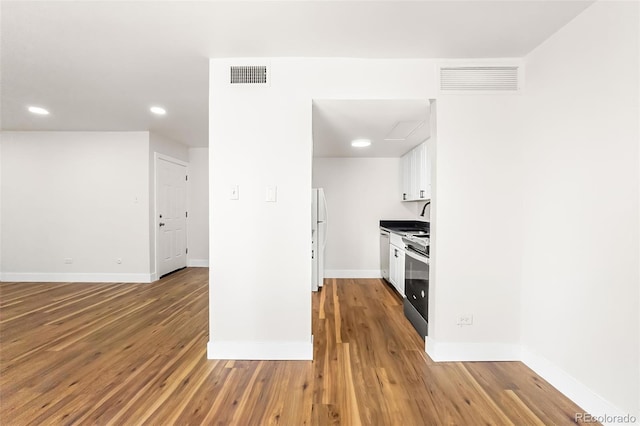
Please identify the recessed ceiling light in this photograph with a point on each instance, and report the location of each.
(361, 143)
(158, 110)
(38, 110)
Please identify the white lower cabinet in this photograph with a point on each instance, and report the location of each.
(400, 272)
(396, 268)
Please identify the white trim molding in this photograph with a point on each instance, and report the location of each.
(198, 263)
(273, 351)
(75, 277)
(352, 273)
(573, 389)
(468, 351)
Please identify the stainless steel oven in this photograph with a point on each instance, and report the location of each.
(416, 282)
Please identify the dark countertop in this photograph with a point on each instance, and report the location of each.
(404, 225)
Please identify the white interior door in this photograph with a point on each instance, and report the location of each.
(171, 216)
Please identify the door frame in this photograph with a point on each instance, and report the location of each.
(156, 158)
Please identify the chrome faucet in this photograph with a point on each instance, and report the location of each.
(425, 207)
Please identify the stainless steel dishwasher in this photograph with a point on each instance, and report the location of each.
(384, 253)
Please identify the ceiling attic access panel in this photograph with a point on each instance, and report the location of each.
(394, 126)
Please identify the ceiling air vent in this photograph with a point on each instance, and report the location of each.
(248, 74)
(479, 79)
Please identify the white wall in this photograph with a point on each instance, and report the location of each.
(158, 144)
(477, 214)
(259, 287)
(198, 188)
(360, 192)
(262, 135)
(78, 195)
(92, 174)
(1, 186)
(580, 322)
(165, 146)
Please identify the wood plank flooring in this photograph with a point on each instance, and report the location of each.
(129, 354)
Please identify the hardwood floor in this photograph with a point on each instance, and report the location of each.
(136, 354)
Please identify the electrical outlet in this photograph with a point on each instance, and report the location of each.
(68, 260)
(465, 319)
(119, 260)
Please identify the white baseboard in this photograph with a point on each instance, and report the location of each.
(273, 351)
(198, 263)
(465, 351)
(352, 273)
(573, 389)
(75, 277)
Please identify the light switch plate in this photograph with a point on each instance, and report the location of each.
(271, 194)
(234, 193)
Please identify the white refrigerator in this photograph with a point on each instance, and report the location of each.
(319, 221)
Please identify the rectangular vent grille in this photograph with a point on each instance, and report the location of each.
(501, 79)
(248, 74)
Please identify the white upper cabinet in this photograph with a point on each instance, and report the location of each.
(423, 172)
(416, 174)
(407, 176)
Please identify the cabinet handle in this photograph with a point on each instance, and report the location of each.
(422, 193)
(404, 195)
(395, 252)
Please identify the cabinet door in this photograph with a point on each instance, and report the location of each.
(400, 272)
(413, 169)
(423, 173)
(393, 264)
(407, 176)
(396, 268)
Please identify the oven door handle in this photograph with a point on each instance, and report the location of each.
(417, 256)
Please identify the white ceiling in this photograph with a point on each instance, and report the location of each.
(100, 65)
(338, 122)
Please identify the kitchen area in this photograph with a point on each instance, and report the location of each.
(378, 196)
(404, 263)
